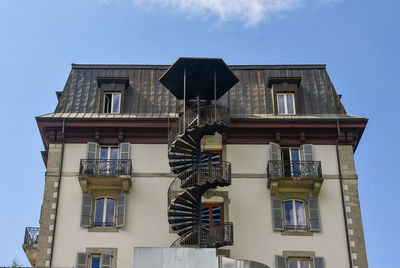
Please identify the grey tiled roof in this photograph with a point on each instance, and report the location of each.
(146, 97)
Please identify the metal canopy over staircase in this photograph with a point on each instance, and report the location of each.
(197, 171)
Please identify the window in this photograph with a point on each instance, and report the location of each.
(286, 105)
(291, 215)
(299, 262)
(104, 215)
(95, 260)
(112, 103)
(108, 157)
(291, 159)
(108, 211)
(295, 215)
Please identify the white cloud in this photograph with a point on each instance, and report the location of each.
(250, 12)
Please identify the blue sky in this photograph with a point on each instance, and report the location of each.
(358, 40)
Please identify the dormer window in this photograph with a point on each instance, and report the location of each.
(286, 105)
(112, 103)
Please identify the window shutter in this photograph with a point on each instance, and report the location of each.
(318, 262)
(82, 260)
(86, 211)
(121, 209)
(280, 261)
(105, 260)
(91, 150)
(313, 214)
(310, 170)
(275, 168)
(277, 213)
(124, 150)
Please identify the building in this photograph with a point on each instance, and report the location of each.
(255, 161)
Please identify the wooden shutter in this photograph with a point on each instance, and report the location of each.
(105, 260)
(82, 260)
(280, 261)
(121, 209)
(124, 150)
(313, 214)
(91, 150)
(275, 168)
(277, 213)
(318, 262)
(308, 155)
(86, 211)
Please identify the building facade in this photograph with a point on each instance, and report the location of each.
(254, 161)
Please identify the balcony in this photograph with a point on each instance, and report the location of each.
(30, 245)
(286, 175)
(105, 174)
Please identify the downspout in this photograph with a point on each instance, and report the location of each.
(342, 195)
(58, 190)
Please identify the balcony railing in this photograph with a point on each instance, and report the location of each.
(296, 228)
(31, 236)
(294, 169)
(102, 167)
(210, 235)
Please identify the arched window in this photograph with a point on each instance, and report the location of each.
(105, 212)
(295, 215)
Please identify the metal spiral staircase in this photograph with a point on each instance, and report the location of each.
(197, 171)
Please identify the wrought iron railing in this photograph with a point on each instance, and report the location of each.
(31, 235)
(101, 167)
(199, 117)
(219, 174)
(293, 169)
(208, 235)
(296, 228)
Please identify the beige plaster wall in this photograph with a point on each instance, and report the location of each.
(249, 209)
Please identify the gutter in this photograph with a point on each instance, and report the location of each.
(342, 195)
(58, 190)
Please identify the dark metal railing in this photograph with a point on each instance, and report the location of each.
(205, 115)
(296, 228)
(31, 235)
(219, 174)
(293, 169)
(102, 167)
(211, 235)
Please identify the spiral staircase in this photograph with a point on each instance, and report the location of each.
(197, 172)
(199, 82)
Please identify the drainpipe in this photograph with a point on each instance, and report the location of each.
(58, 190)
(342, 195)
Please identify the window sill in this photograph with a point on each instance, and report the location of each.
(103, 229)
(296, 233)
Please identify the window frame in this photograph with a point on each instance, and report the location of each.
(112, 102)
(285, 106)
(90, 260)
(104, 214)
(296, 229)
(298, 259)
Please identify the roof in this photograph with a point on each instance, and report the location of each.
(251, 97)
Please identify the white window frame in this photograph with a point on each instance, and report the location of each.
(103, 222)
(298, 261)
(112, 102)
(285, 103)
(108, 151)
(294, 200)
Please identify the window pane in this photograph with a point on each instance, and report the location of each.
(95, 262)
(103, 152)
(290, 104)
(292, 264)
(289, 213)
(116, 99)
(114, 153)
(281, 104)
(107, 103)
(294, 153)
(304, 264)
(300, 213)
(98, 218)
(110, 212)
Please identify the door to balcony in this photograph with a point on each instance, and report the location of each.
(212, 219)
